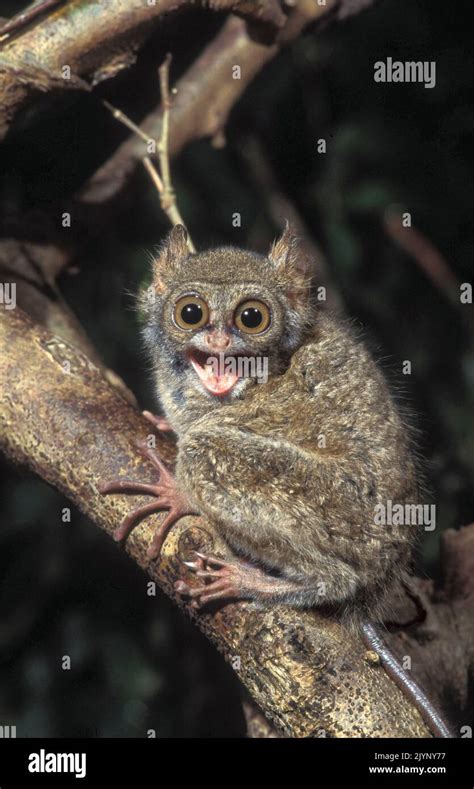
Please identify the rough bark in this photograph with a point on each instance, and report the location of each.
(61, 418)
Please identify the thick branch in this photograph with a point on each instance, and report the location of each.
(96, 40)
(60, 416)
(34, 267)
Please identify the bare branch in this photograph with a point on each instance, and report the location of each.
(423, 252)
(162, 183)
(126, 121)
(205, 95)
(168, 200)
(168, 197)
(155, 177)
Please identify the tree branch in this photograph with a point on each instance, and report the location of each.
(34, 267)
(24, 18)
(205, 95)
(96, 40)
(162, 181)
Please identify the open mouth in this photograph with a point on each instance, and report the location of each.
(217, 373)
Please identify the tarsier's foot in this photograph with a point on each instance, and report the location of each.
(160, 423)
(168, 497)
(224, 580)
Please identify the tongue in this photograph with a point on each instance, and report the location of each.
(217, 384)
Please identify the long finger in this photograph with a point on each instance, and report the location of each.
(160, 534)
(225, 594)
(127, 486)
(130, 521)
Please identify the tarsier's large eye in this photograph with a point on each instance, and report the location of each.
(191, 312)
(252, 317)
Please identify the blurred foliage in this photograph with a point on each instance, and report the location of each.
(66, 589)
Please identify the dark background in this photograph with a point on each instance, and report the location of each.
(66, 589)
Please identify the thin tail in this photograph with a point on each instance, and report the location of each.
(407, 685)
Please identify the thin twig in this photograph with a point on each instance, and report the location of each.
(168, 196)
(122, 118)
(166, 192)
(430, 260)
(205, 98)
(423, 252)
(171, 207)
(162, 179)
(153, 173)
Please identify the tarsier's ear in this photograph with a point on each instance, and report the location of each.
(292, 265)
(172, 252)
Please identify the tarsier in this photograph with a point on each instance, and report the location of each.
(289, 471)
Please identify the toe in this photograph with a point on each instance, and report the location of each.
(224, 592)
(209, 574)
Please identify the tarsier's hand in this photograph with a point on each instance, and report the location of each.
(168, 497)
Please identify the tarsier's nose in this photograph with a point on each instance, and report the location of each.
(217, 341)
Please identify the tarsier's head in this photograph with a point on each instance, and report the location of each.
(221, 319)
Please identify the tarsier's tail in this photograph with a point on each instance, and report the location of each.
(407, 685)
